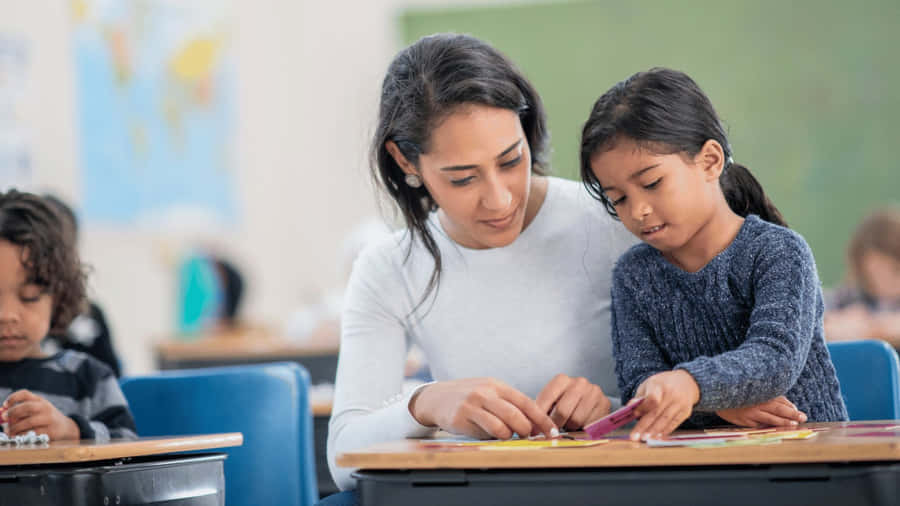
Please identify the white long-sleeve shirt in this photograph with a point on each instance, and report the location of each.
(521, 313)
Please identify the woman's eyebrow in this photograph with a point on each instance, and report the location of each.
(510, 148)
(470, 167)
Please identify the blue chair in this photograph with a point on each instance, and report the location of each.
(869, 373)
(268, 403)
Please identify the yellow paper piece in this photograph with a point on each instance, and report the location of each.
(520, 444)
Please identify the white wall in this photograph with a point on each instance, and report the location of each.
(308, 75)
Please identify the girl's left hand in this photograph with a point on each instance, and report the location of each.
(571, 402)
(669, 398)
(28, 411)
(773, 413)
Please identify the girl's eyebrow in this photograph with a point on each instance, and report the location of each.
(633, 176)
(470, 167)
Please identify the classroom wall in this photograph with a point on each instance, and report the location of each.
(308, 74)
(809, 90)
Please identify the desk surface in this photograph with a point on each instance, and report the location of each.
(249, 344)
(87, 450)
(839, 443)
(321, 408)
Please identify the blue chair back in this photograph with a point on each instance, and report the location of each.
(869, 373)
(268, 403)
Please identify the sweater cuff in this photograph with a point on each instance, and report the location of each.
(704, 373)
(84, 426)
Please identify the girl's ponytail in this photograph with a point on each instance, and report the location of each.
(745, 195)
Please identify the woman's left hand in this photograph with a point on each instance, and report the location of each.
(571, 402)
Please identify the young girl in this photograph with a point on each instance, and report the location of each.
(67, 395)
(867, 305)
(721, 307)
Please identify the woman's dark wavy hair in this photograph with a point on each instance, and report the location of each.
(49, 254)
(664, 111)
(425, 83)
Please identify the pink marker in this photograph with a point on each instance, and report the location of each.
(613, 421)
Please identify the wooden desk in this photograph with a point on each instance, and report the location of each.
(836, 467)
(318, 354)
(57, 452)
(321, 408)
(137, 472)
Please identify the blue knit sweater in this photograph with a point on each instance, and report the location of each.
(747, 326)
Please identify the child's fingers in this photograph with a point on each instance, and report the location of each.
(767, 419)
(784, 400)
(783, 412)
(665, 423)
(26, 424)
(20, 396)
(39, 429)
(643, 424)
(22, 410)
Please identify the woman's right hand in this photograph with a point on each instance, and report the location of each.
(484, 408)
(776, 412)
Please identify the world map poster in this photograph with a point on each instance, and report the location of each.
(155, 99)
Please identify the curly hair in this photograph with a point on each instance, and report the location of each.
(49, 255)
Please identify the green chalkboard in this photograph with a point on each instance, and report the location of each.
(809, 89)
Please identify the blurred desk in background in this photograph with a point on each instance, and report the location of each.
(318, 354)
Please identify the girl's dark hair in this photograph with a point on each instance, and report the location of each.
(49, 255)
(425, 83)
(664, 111)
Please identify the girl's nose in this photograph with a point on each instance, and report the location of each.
(641, 210)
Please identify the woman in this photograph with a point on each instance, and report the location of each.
(502, 275)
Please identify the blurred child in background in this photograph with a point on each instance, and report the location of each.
(66, 395)
(867, 304)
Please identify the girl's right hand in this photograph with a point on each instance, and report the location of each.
(484, 408)
(776, 412)
(669, 399)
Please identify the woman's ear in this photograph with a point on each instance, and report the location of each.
(398, 157)
(711, 159)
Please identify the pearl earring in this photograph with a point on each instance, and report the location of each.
(413, 181)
